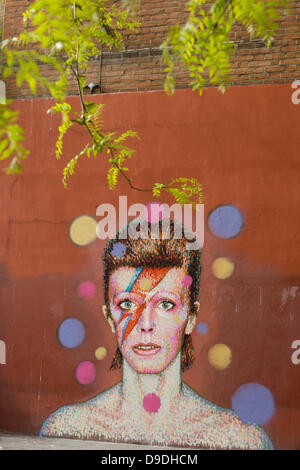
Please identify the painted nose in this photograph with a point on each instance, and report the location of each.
(146, 322)
(146, 329)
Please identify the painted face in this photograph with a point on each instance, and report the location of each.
(150, 310)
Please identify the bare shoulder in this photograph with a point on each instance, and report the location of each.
(221, 428)
(83, 420)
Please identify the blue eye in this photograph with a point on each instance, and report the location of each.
(126, 304)
(166, 305)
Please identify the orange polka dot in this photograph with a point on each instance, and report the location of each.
(145, 284)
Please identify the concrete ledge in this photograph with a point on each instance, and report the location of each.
(17, 442)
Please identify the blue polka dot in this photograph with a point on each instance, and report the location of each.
(253, 403)
(202, 328)
(118, 249)
(225, 221)
(71, 333)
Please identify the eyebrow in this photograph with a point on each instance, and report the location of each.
(166, 292)
(131, 283)
(121, 296)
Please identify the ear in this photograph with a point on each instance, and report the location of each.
(192, 319)
(108, 318)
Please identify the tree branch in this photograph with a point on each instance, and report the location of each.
(222, 13)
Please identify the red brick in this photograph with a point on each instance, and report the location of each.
(252, 63)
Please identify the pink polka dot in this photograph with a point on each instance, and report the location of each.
(86, 289)
(151, 403)
(85, 372)
(187, 281)
(155, 212)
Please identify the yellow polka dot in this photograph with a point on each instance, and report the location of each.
(100, 353)
(222, 268)
(219, 356)
(177, 319)
(145, 284)
(83, 230)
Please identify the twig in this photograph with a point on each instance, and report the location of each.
(221, 14)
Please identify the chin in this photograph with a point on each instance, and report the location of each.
(149, 370)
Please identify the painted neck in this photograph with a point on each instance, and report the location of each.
(166, 385)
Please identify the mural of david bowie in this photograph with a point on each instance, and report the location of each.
(151, 290)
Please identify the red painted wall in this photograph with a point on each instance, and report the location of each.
(244, 148)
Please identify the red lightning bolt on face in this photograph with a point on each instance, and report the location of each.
(155, 276)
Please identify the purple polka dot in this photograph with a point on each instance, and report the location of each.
(154, 212)
(187, 281)
(118, 249)
(71, 333)
(253, 403)
(86, 289)
(85, 373)
(202, 328)
(225, 221)
(151, 403)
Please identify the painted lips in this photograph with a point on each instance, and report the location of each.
(148, 349)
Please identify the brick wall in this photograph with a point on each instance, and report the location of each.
(2, 10)
(140, 66)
